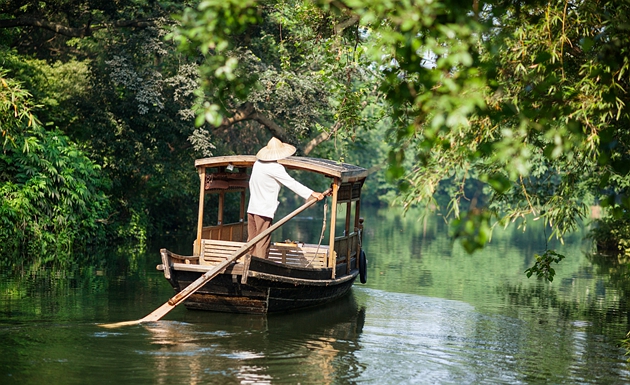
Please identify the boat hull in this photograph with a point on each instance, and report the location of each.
(270, 287)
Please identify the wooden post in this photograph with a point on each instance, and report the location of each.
(332, 261)
(357, 212)
(348, 244)
(202, 195)
(358, 224)
(221, 204)
(242, 216)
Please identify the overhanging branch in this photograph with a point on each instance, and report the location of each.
(324, 136)
(275, 129)
(346, 23)
(247, 111)
(352, 20)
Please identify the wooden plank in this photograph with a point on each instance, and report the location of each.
(299, 256)
(216, 251)
(241, 235)
(233, 232)
(347, 228)
(166, 263)
(331, 252)
(235, 160)
(231, 269)
(219, 250)
(246, 260)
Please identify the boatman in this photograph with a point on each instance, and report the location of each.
(267, 178)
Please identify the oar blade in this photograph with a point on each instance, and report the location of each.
(152, 317)
(121, 324)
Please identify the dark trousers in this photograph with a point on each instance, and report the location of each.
(256, 225)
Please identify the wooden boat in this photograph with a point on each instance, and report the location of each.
(295, 275)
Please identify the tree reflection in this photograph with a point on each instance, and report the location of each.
(581, 311)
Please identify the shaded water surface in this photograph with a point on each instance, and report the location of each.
(429, 314)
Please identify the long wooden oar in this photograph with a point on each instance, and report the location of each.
(207, 276)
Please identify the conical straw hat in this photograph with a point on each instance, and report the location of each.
(275, 150)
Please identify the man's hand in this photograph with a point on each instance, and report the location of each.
(317, 195)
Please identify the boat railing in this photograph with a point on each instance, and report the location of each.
(347, 247)
(176, 258)
(301, 255)
(226, 232)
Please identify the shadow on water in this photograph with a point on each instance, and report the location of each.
(225, 348)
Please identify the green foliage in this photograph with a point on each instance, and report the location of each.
(140, 131)
(122, 97)
(208, 29)
(473, 230)
(612, 236)
(508, 94)
(15, 111)
(490, 112)
(52, 199)
(542, 268)
(56, 87)
(527, 110)
(283, 58)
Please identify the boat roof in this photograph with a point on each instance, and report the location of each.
(330, 168)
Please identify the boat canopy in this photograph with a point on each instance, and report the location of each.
(330, 168)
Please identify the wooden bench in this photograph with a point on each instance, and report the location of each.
(214, 251)
(300, 255)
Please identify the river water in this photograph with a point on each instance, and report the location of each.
(429, 314)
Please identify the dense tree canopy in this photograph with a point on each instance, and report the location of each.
(529, 98)
(117, 94)
(490, 111)
(110, 78)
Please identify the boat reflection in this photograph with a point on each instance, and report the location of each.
(219, 348)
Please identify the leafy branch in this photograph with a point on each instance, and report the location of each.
(542, 268)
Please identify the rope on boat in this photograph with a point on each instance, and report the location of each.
(321, 237)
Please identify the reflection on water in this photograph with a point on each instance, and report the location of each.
(429, 314)
(259, 349)
(438, 341)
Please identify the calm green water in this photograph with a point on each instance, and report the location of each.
(429, 314)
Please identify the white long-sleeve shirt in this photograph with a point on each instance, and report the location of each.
(264, 186)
